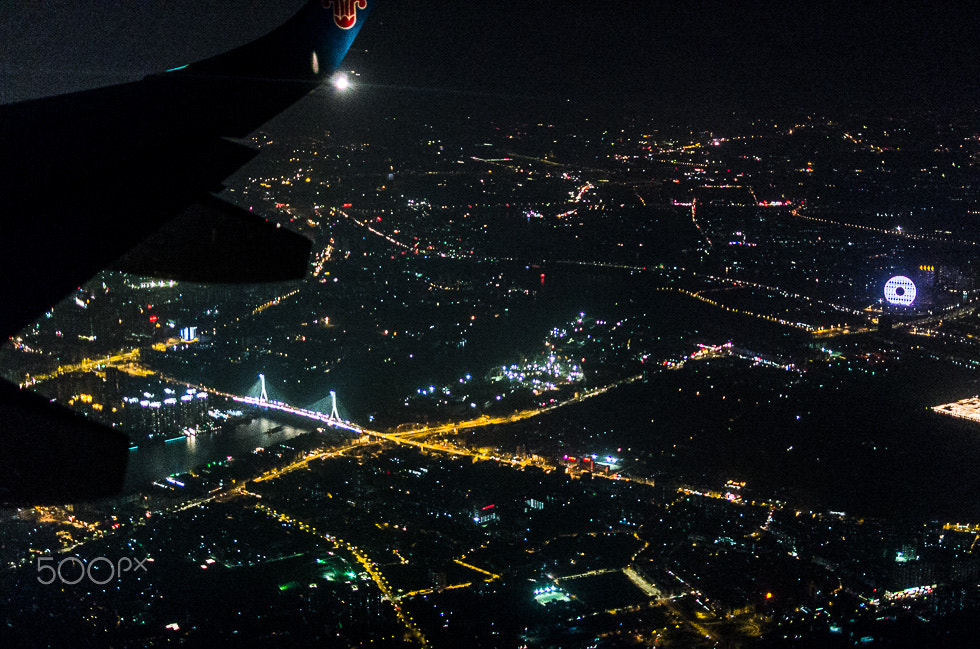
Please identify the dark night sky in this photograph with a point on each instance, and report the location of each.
(727, 54)
(685, 53)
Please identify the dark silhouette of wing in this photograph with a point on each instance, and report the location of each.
(86, 177)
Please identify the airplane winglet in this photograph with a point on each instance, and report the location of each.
(307, 47)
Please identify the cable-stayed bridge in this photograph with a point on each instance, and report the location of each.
(314, 412)
(258, 395)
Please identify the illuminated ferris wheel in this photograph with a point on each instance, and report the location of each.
(900, 291)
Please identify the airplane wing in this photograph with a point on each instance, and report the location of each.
(86, 177)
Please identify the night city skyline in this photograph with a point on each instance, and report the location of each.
(620, 327)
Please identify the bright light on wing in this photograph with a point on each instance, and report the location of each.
(340, 81)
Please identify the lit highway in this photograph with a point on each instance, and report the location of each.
(126, 360)
(893, 232)
(305, 461)
(697, 295)
(436, 589)
(836, 332)
(87, 365)
(453, 427)
(366, 563)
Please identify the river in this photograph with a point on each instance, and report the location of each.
(157, 461)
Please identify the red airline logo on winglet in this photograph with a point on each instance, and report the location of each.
(345, 11)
